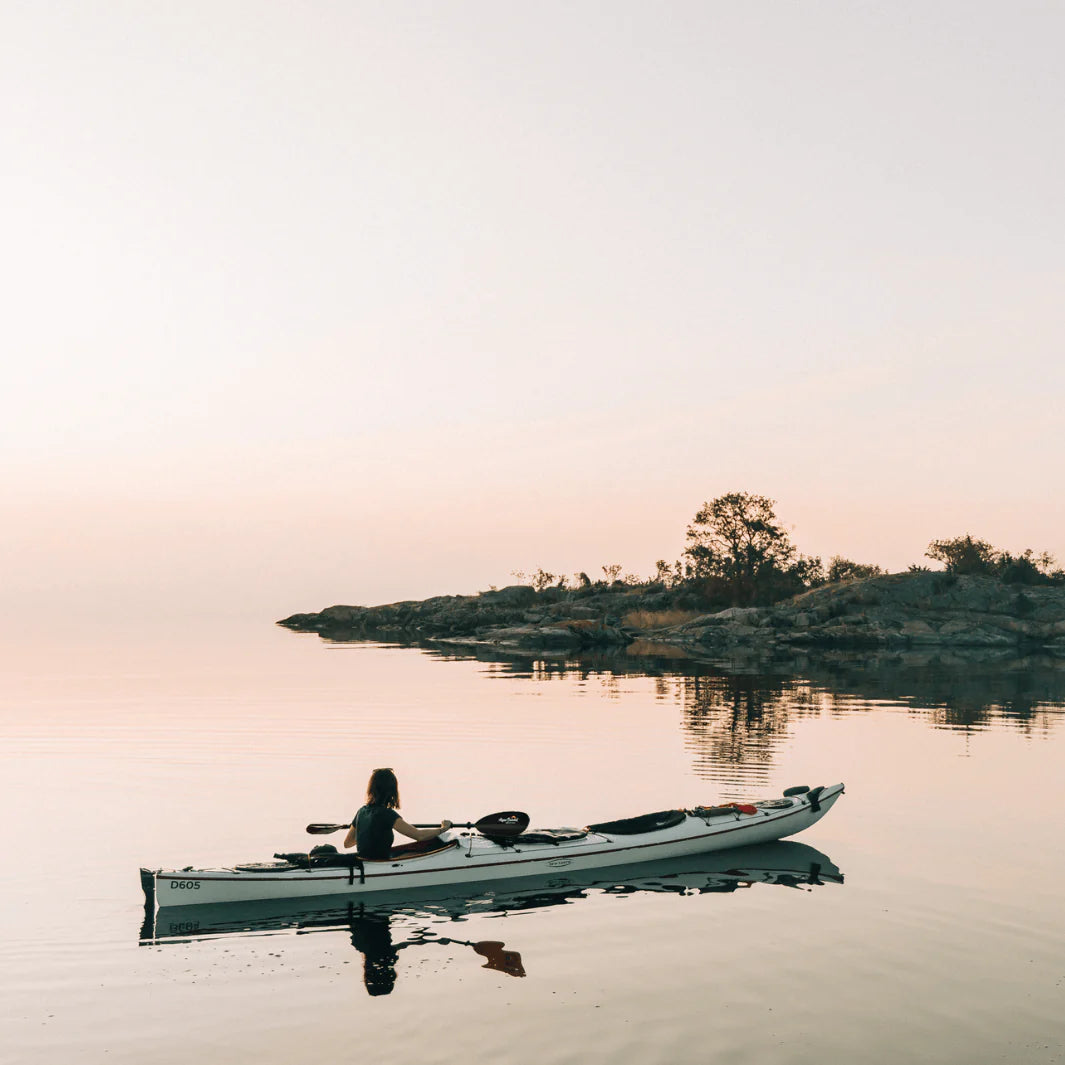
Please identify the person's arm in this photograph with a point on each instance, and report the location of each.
(351, 838)
(401, 826)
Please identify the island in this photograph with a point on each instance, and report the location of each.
(900, 611)
(742, 590)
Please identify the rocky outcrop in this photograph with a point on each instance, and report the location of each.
(900, 611)
(515, 618)
(897, 612)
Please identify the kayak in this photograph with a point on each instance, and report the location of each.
(465, 857)
(469, 857)
(419, 913)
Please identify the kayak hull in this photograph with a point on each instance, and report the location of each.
(788, 864)
(476, 859)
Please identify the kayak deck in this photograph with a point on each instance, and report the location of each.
(468, 857)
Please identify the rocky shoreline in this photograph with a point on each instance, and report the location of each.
(921, 611)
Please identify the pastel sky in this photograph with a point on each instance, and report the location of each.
(322, 302)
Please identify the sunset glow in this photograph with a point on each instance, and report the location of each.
(355, 303)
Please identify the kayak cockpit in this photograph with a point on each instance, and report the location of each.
(328, 857)
(635, 826)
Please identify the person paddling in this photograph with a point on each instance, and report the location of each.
(372, 827)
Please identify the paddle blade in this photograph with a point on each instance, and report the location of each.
(503, 961)
(325, 830)
(505, 825)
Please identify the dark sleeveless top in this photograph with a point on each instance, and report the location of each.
(373, 825)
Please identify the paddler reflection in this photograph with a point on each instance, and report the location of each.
(371, 934)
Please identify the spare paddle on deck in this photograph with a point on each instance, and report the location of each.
(505, 825)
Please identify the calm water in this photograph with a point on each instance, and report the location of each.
(921, 920)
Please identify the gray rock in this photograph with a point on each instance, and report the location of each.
(511, 595)
(740, 614)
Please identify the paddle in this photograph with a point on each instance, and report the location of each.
(505, 825)
(503, 961)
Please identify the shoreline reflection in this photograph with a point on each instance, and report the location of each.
(959, 688)
(741, 712)
(380, 930)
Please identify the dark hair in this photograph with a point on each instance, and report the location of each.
(383, 789)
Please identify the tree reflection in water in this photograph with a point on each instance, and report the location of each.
(735, 723)
(738, 713)
(952, 691)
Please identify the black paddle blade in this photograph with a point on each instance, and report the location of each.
(504, 825)
(324, 830)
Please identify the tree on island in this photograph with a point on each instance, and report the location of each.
(967, 556)
(738, 550)
(963, 555)
(738, 553)
(843, 569)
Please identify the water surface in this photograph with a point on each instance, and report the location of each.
(933, 931)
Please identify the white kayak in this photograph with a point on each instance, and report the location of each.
(467, 857)
(420, 914)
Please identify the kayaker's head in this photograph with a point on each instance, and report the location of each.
(383, 789)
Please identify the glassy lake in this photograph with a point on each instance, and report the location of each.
(920, 921)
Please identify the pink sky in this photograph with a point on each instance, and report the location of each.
(352, 303)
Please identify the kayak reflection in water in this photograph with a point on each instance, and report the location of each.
(371, 934)
(416, 919)
(372, 828)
